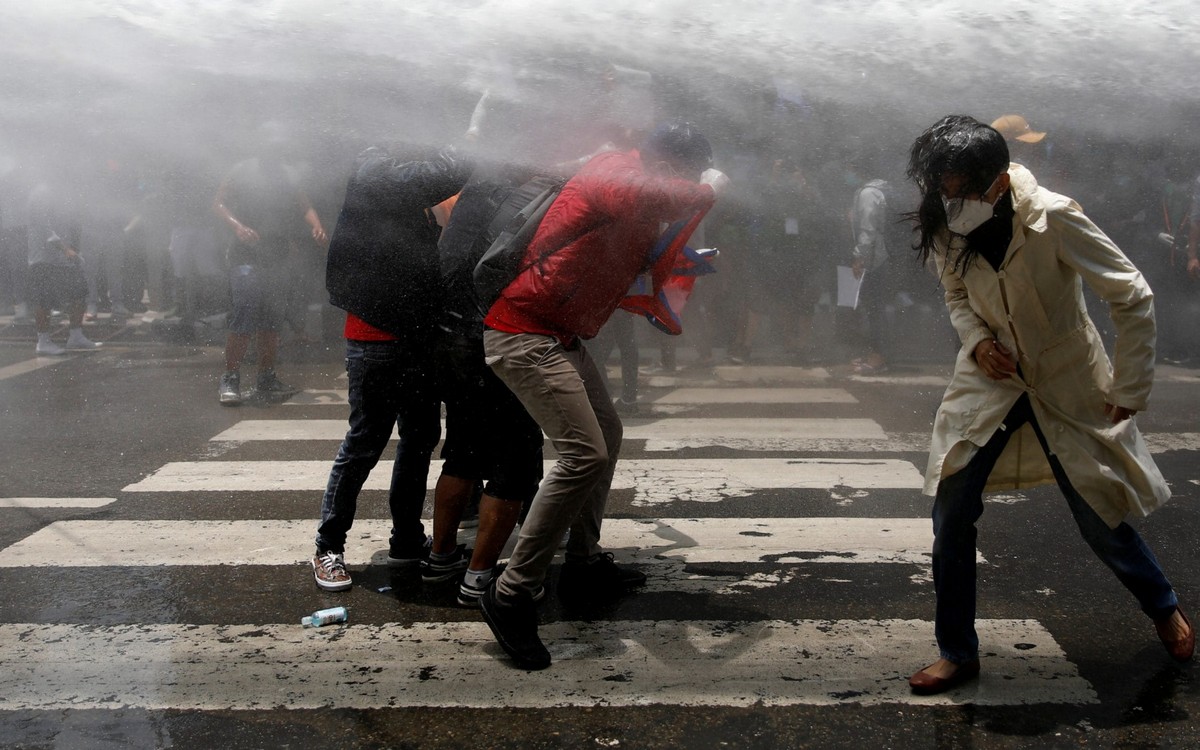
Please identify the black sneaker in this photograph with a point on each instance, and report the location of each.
(434, 570)
(270, 388)
(473, 585)
(515, 627)
(403, 556)
(230, 392)
(597, 579)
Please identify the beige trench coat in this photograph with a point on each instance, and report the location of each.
(1034, 306)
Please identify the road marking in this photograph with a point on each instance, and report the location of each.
(712, 430)
(29, 365)
(757, 396)
(55, 502)
(82, 543)
(689, 396)
(434, 664)
(656, 481)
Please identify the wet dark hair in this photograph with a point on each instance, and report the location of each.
(955, 145)
(680, 144)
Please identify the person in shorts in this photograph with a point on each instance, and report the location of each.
(55, 280)
(262, 203)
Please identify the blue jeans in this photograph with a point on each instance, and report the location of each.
(959, 504)
(390, 385)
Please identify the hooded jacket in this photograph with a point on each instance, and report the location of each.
(383, 261)
(1034, 305)
(592, 244)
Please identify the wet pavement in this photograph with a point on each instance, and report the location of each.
(154, 545)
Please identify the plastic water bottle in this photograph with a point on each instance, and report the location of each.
(324, 617)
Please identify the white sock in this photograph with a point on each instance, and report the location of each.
(478, 577)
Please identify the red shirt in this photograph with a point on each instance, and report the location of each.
(358, 330)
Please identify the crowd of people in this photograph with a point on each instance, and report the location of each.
(1009, 257)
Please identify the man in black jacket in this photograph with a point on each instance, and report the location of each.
(383, 271)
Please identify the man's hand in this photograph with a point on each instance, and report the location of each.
(318, 234)
(246, 235)
(1193, 267)
(995, 360)
(1118, 414)
(715, 179)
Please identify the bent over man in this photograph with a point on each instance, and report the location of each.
(595, 240)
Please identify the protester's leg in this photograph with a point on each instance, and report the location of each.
(512, 452)
(450, 497)
(1120, 548)
(372, 389)
(419, 425)
(626, 338)
(267, 348)
(956, 508)
(546, 378)
(584, 541)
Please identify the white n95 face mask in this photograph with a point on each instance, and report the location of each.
(965, 216)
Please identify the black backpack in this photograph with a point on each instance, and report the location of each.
(513, 227)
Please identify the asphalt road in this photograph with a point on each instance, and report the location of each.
(153, 562)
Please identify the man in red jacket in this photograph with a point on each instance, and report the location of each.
(591, 246)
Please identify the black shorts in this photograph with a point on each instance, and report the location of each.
(50, 286)
(489, 435)
(259, 298)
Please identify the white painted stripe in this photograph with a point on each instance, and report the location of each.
(713, 430)
(656, 480)
(895, 442)
(55, 502)
(770, 374)
(433, 664)
(757, 396)
(1161, 442)
(690, 396)
(740, 374)
(940, 381)
(80, 543)
(29, 365)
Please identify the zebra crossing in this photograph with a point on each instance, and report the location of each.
(689, 522)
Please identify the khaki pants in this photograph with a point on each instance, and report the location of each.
(563, 391)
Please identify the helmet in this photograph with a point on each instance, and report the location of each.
(680, 144)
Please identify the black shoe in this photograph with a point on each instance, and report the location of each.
(515, 627)
(597, 579)
(434, 570)
(271, 389)
(405, 555)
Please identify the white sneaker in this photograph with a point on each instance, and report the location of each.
(79, 342)
(49, 349)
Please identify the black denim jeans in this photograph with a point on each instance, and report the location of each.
(391, 384)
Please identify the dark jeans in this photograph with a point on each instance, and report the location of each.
(877, 292)
(959, 504)
(390, 385)
(618, 333)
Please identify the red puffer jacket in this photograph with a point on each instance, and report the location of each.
(592, 244)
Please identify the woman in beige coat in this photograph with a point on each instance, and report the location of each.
(1034, 398)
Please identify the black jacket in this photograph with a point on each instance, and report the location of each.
(383, 260)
